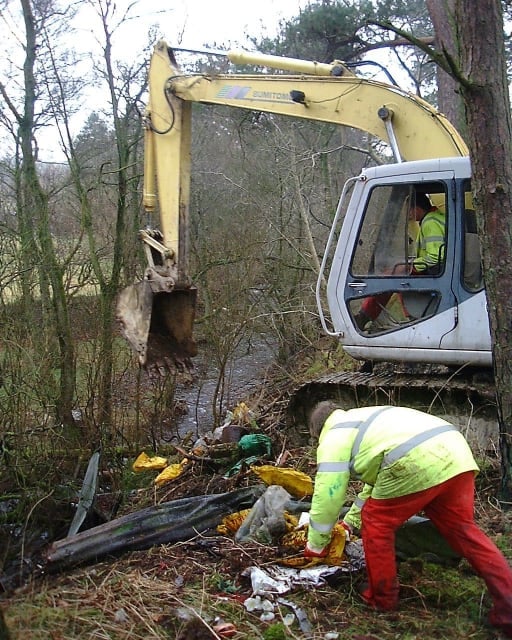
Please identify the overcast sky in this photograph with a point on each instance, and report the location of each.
(190, 23)
(198, 22)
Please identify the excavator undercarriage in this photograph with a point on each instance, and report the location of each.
(466, 400)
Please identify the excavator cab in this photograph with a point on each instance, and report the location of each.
(382, 305)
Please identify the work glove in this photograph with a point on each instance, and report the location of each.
(348, 530)
(311, 552)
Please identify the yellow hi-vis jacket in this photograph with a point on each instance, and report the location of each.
(431, 242)
(395, 451)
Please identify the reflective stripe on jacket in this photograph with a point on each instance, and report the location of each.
(393, 450)
(431, 242)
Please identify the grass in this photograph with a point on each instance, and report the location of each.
(121, 600)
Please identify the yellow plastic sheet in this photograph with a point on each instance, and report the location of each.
(231, 523)
(296, 540)
(144, 462)
(298, 484)
(171, 472)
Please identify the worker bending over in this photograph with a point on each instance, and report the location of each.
(409, 462)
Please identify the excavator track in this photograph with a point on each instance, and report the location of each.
(468, 401)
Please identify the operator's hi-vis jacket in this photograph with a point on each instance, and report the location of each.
(395, 451)
(431, 242)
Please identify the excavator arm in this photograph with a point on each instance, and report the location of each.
(412, 127)
(157, 315)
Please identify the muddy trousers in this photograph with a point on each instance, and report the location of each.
(450, 506)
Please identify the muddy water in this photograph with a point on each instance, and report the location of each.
(244, 373)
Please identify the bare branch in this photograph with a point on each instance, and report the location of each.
(443, 59)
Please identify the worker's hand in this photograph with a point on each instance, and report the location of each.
(348, 530)
(311, 552)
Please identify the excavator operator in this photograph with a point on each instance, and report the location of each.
(430, 248)
(431, 236)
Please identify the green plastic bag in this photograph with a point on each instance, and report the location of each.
(255, 444)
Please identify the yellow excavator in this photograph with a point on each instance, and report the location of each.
(436, 319)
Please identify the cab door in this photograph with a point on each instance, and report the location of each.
(372, 268)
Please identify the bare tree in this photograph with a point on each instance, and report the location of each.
(124, 84)
(37, 250)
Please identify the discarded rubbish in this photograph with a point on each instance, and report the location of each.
(244, 463)
(225, 629)
(144, 462)
(295, 482)
(255, 444)
(168, 522)
(243, 415)
(288, 619)
(86, 495)
(269, 522)
(263, 582)
(252, 447)
(232, 522)
(302, 619)
(297, 540)
(267, 616)
(171, 472)
(267, 606)
(237, 423)
(278, 580)
(230, 433)
(257, 603)
(266, 522)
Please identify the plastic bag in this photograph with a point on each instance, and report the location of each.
(171, 472)
(295, 482)
(296, 541)
(266, 520)
(144, 462)
(255, 444)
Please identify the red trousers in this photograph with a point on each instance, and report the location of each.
(373, 305)
(450, 506)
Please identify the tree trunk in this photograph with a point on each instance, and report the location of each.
(35, 214)
(484, 88)
(448, 91)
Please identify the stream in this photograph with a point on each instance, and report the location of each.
(244, 374)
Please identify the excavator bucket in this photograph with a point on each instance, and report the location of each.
(159, 326)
